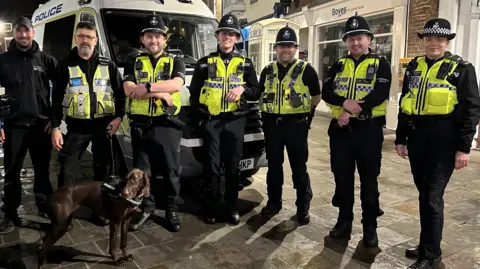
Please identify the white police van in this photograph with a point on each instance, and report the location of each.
(119, 25)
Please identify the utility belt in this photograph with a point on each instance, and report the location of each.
(357, 123)
(415, 121)
(141, 125)
(282, 118)
(243, 111)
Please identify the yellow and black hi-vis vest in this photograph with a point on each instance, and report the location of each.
(356, 83)
(221, 79)
(289, 96)
(77, 99)
(430, 93)
(144, 72)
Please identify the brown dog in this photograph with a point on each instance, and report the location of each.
(63, 202)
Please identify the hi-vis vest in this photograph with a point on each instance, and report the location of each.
(218, 83)
(356, 83)
(429, 91)
(77, 99)
(278, 94)
(144, 73)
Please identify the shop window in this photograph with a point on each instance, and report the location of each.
(331, 46)
(254, 54)
(272, 55)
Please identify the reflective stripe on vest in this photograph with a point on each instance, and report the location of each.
(77, 99)
(163, 71)
(215, 89)
(353, 83)
(289, 96)
(429, 95)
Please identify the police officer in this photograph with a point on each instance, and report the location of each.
(89, 92)
(290, 91)
(220, 84)
(356, 90)
(152, 85)
(439, 111)
(25, 72)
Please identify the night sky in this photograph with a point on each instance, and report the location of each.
(9, 9)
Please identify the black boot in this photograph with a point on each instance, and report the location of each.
(146, 216)
(303, 217)
(8, 223)
(370, 238)
(412, 252)
(270, 211)
(173, 220)
(423, 264)
(342, 229)
(234, 217)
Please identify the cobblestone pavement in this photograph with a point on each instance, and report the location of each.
(279, 243)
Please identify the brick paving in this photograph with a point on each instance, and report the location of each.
(278, 243)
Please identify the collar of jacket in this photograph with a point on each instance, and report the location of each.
(30, 52)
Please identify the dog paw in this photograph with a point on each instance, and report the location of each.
(129, 257)
(120, 261)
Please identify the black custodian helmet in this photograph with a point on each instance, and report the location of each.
(154, 23)
(356, 25)
(286, 36)
(229, 23)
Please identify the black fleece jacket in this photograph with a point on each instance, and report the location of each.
(26, 75)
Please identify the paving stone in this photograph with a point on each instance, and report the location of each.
(195, 261)
(229, 258)
(152, 236)
(149, 256)
(275, 263)
(391, 237)
(132, 243)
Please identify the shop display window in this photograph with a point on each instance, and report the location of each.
(331, 46)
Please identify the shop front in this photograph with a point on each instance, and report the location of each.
(325, 23)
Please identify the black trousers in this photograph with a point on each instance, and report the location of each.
(17, 141)
(292, 133)
(156, 151)
(75, 144)
(223, 143)
(358, 145)
(431, 151)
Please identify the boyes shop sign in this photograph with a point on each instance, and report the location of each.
(350, 8)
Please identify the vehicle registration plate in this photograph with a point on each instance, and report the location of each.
(246, 164)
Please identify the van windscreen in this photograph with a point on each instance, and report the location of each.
(189, 37)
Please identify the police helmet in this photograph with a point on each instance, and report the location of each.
(229, 23)
(154, 23)
(286, 36)
(356, 25)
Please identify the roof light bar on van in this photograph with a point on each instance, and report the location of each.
(84, 2)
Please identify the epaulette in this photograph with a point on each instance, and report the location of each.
(459, 60)
(103, 60)
(269, 69)
(213, 54)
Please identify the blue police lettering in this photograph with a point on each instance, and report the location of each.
(339, 11)
(46, 14)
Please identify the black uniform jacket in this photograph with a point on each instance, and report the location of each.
(26, 75)
(200, 74)
(466, 113)
(88, 67)
(381, 89)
